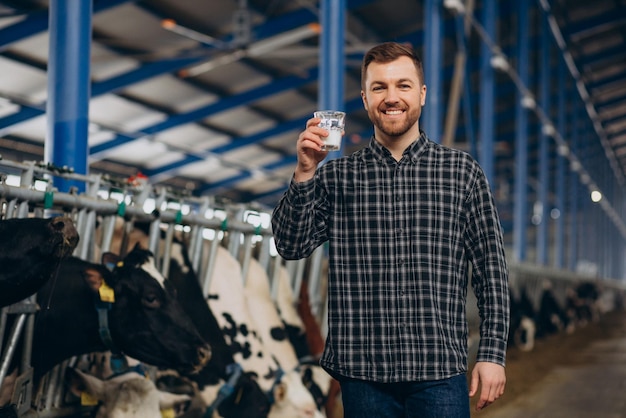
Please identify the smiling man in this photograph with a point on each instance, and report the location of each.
(404, 218)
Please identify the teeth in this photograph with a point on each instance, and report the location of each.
(393, 112)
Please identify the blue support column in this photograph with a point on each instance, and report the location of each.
(544, 178)
(332, 59)
(520, 210)
(433, 68)
(68, 87)
(573, 183)
(487, 94)
(559, 234)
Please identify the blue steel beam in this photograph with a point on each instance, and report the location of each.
(37, 22)
(285, 127)
(332, 60)
(271, 27)
(520, 208)
(559, 233)
(286, 83)
(544, 97)
(487, 95)
(68, 88)
(433, 64)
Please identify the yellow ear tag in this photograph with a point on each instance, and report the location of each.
(107, 294)
(168, 413)
(87, 400)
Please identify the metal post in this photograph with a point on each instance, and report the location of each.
(542, 192)
(487, 95)
(433, 68)
(520, 210)
(68, 87)
(332, 60)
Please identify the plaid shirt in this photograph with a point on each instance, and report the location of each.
(400, 236)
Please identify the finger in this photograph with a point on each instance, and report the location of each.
(473, 384)
(313, 122)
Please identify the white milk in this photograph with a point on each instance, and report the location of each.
(332, 141)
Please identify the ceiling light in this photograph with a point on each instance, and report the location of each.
(528, 102)
(499, 62)
(455, 6)
(548, 129)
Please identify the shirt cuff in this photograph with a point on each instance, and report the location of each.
(299, 194)
(492, 350)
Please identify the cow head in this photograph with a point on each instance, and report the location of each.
(31, 251)
(146, 320)
(129, 395)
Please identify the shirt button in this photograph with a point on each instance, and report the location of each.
(401, 261)
(399, 231)
(398, 198)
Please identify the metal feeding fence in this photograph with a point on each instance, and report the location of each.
(101, 207)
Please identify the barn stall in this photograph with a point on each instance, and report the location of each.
(99, 204)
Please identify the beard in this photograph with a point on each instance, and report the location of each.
(396, 127)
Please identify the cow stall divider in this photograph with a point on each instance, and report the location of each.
(105, 215)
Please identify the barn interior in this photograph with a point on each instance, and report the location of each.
(185, 114)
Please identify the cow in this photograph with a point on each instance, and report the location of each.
(32, 249)
(551, 317)
(227, 299)
(315, 344)
(221, 373)
(271, 318)
(522, 325)
(130, 309)
(127, 395)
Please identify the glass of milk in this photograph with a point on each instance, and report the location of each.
(333, 121)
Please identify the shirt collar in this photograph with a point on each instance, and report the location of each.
(413, 151)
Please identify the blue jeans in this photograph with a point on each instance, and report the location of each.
(447, 398)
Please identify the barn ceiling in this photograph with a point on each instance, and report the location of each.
(209, 96)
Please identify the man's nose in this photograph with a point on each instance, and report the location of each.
(392, 95)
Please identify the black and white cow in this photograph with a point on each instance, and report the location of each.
(31, 251)
(241, 395)
(551, 316)
(522, 328)
(228, 302)
(274, 334)
(143, 319)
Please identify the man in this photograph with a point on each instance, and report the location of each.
(404, 217)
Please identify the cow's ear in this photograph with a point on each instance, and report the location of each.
(169, 400)
(93, 278)
(280, 392)
(110, 260)
(80, 382)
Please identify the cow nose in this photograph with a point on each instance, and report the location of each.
(65, 226)
(204, 355)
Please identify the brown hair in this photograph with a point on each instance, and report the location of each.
(388, 52)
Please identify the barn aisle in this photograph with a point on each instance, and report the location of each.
(578, 375)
